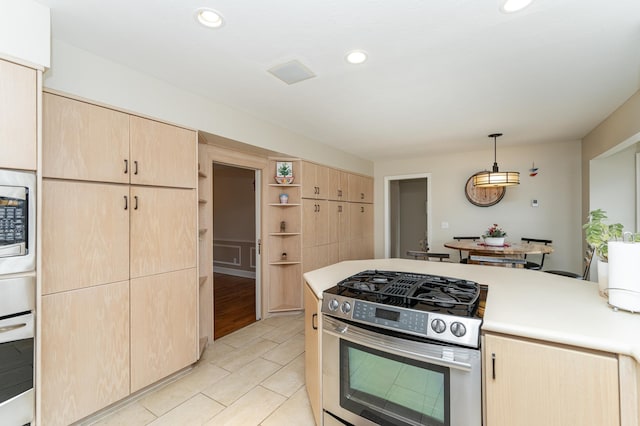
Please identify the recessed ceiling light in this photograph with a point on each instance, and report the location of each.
(356, 57)
(510, 6)
(209, 17)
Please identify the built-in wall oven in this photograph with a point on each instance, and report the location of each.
(402, 349)
(17, 296)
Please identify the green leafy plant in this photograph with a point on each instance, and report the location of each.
(284, 170)
(495, 231)
(598, 234)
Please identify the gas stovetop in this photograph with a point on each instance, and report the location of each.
(431, 306)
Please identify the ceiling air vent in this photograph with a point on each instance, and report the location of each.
(292, 72)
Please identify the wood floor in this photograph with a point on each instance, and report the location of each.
(234, 304)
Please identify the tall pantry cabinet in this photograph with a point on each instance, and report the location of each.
(119, 255)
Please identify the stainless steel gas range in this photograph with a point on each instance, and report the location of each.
(402, 349)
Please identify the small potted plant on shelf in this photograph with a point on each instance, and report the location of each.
(284, 172)
(598, 235)
(494, 236)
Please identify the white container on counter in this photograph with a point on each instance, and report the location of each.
(624, 275)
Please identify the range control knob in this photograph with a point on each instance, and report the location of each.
(458, 329)
(346, 307)
(438, 326)
(333, 305)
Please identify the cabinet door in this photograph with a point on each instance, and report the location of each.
(18, 115)
(315, 222)
(85, 351)
(164, 324)
(162, 154)
(83, 141)
(313, 370)
(309, 184)
(539, 384)
(360, 189)
(338, 227)
(337, 183)
(163, 230)
(360, 231)
(85, 234)
(322, 182)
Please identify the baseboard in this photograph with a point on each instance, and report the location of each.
(234, 272)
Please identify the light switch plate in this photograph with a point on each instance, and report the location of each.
(534, 203)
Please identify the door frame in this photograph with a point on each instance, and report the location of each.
(387, 207)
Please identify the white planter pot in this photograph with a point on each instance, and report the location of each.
(494, 241)
(603, 277)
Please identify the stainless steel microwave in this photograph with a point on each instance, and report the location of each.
(17, 221)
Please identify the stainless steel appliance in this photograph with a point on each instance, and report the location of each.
(17, 300)
(402, 349)
(17, 221)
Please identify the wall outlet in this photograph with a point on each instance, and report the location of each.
(534, 203)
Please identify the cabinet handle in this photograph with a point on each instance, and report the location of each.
(126, 202)
(314, 321)
(135, 167)
(361, 209)
(135, 206)
(318, 207)
(12, 327)
(126, 166)
(339, 209)
(362, 195)
(493, 366)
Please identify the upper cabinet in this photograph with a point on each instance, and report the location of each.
(18, 120)
(360, 189)
(84, 141)
(315, 180)
(161, 154)
(338, 183)
(88, 142)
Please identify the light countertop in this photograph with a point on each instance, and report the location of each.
(521, 302)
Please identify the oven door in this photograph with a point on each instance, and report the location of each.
(374, 378)
(16, 369)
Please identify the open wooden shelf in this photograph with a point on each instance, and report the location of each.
(202, 201)
(285, 184)
(202, 174)
(283, 234)
(202, 280)
(285, 262)
(284, 204)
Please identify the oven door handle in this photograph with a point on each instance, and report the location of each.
(401, 347)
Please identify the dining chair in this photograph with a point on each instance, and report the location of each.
(508, 262)
(588, 257)
(465, 259)
(424, 255)
(535, 265)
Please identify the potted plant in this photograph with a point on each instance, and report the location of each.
(284, 172)
(494, 236)
(598, 234)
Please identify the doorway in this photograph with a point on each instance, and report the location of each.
(236, 228)
(407, 214)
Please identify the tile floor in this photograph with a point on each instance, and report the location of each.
(254, 376)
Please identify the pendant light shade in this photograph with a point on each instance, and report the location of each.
(496, 177)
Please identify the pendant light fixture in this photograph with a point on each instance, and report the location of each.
(496, 177)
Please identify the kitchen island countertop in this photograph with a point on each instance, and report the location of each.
(521, 302)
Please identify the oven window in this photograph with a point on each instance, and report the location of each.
(16, 368)
(390, 389)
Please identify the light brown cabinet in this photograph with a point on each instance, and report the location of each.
(163, 332)
(315, 220)
(163, 224)
(18, 121)
(85, 234)
(338, 185)
(360, 189)
(534, 383)
(312, 352)
(100, 230)
(360, 231)
(84, 351)
(316, 180)
(84, 141)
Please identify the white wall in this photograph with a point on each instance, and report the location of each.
(613, 187)
(25, 31)
(84, 74)
(557, 187)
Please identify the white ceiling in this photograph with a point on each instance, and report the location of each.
(442, 74)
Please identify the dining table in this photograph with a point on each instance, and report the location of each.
(509, 249)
